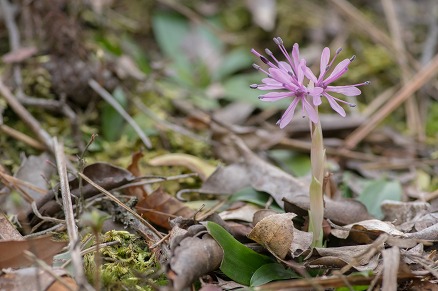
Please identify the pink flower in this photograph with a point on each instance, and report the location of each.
(287, 77)
(338, 71)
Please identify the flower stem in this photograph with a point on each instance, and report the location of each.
(317, 158)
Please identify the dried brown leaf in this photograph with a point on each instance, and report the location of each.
(103, 174)
(159, 206)
(193, 258)
(244, 213)
(7, 230)
(275, 232)
(301, 242)
(356, 256)
(32, 278)
(12, 251)
(345, 211)
(366, 231)
(255, 172)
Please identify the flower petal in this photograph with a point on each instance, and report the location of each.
(345, 90)
(340, 69)
(280, 76)
(325, 57)
(270, 84)
(316, 94)
(335, 106)
(309, 74)
(311, 112)
(275, 96)
(285, 67)
(296, 56)
(300, 72)
(288, 114)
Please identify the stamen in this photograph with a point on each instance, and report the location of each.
(352, 58)
(345, 102)
(261, 97)
(278, 41)
(264, 59)
(268, 52)
(258, 68)
(361, 84)
(338, 51)
(253, 86)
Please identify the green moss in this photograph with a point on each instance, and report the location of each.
(128, 265)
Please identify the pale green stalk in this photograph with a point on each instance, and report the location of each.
(317, 158)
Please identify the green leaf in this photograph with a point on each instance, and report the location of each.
(234, 61)
(255, 197)
(271, 272)
(138, 53)
(297, 163)
(240, 262)
(112, 121)
(170, 31)
(378, 190)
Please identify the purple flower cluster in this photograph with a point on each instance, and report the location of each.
(289, 78)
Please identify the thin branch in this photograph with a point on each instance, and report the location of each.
(18, 135)
(27, 118)
(156, 234)
(113, 102)
(14, 40)
(412, 112)
(72, 230)
(419, 80)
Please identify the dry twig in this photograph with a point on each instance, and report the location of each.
(110, 99)
(72, 231)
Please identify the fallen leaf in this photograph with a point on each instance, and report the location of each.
(12, 251)
(159, 206)
(195, 164)
(103, 174)
(31, 278)
(36, 170)
(406, 215)
(345, 211)
(193, 258)
(8, 231)
(430, 233)
(254, 172)
(275, 232)
(301, 242)
(366, 231)
(244, 213)
(356, 256)
(138, 191)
